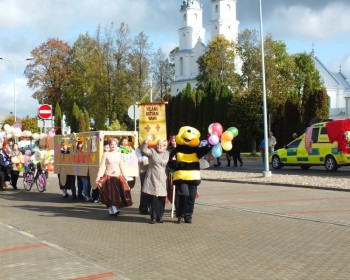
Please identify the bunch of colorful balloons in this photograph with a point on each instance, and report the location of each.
(220, 139)
(10, 131)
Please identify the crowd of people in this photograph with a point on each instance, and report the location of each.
(111, 184)
(12, 162)
(112, 187)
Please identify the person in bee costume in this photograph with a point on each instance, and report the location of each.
(184, 163)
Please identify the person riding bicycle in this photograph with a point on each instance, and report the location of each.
(39, 169)
(35, 173)
(30, 168)
(27, 161)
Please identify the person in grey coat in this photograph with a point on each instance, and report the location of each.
(155, 180)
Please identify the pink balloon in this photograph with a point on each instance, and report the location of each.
(217, 129)
(213, 139)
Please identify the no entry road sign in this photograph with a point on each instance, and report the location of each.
(45, 112)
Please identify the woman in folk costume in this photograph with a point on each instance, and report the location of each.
(110, 180)
(155, 181)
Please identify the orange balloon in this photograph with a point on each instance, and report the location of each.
(227, 136)
(50, 167)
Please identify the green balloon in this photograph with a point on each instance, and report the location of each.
(234, 130)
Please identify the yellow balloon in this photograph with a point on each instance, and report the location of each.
(227, 136)
(20, 167)
(226, 145)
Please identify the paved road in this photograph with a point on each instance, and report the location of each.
(240, 231)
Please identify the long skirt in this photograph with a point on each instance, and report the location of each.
(114, 191)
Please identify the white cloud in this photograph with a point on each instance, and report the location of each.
(25, 25)
(57, 18)
(303, 22)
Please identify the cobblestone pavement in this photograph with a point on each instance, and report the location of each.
(240, 231)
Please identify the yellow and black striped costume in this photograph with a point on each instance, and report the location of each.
(187, 153)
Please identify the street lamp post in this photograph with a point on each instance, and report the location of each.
(267, 172)
(14, 83)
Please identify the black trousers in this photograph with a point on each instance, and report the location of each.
(157, 207)
(14, 178)
(2, 178)
(236, 155)
(95, 194)
(186, 196)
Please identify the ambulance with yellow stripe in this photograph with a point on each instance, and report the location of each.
(323, 144)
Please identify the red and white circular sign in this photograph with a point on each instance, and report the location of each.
(45, 111)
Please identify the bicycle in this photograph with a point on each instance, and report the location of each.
(28, 177)
(38, 177)
(41, 176)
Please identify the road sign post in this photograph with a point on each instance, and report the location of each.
(45, 112)
(45, 115)
(133, 113)
(17, 124)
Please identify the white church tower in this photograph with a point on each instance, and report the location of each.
(224, 19)
(191, 46)
(192, 37)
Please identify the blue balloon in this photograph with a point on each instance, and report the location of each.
(216, 151)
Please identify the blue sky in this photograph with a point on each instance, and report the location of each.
(26, 24)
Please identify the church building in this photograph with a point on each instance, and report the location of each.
(338, 89)
(192, 37)
(224, 22)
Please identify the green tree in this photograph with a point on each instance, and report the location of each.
(218, 63)
(280, 71)
(81, 123)
(121, 76)
(115, 125)
(10, 120)
(87, 122)
(249, 52)
(30, 124)
(75, 122)
(49, 73)
(163, 72)
(309, 85)
(85, 82)
(291, 112)
(280, 68)
(246, 113)
(321, 104)
(58, 119)
(139, 61)
(186, 114)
